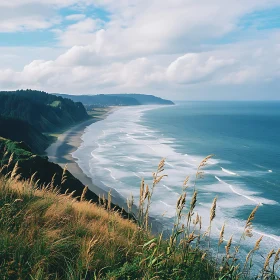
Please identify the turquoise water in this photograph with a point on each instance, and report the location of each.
(245, 171)
(245, 135)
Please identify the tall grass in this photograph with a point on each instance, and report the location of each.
(190, 253)
(48, 235)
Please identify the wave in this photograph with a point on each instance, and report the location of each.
(238, 193)
(136, 159)
(274, 237)
(229, 172)
(166, 204)
(188, 163)
(167, 163)
(137, 175)
(114, 178)
(151, 148)
(143, 152)
(166, 187)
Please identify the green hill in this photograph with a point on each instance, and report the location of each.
(46, 112)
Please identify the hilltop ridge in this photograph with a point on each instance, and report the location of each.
(125, 99)
(46, 112)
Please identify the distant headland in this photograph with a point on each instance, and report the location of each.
(124, 99)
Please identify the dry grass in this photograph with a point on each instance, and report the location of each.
(48, 235)
(95, 237)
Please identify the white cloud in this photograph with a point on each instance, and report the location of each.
(83, 31)
(23, 24)
(193, 68)
(145, 46)
(83, 69)
(27, 18)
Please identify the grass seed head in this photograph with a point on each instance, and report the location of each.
(228, 246)
(221, 237)
(267, 260)
(213, 209)
(193, 201)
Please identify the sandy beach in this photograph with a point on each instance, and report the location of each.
(60, 152)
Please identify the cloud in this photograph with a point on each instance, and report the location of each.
(84, 69)
(194, 68)
(31, 15)
(27, 18)
(82, 31)
(144, 46)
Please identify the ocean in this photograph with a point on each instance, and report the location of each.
(244, 138)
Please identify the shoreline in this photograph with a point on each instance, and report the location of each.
(67, 142)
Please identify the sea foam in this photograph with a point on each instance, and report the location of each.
(121, 149)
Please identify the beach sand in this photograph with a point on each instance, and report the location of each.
(67, 142)
(60, 152)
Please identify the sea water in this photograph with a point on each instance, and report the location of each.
(244, 172)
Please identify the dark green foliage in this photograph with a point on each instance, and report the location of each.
(18, 130)
(46, 112)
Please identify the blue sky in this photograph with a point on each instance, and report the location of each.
(184, 48)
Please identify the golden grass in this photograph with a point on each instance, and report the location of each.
(100, 244)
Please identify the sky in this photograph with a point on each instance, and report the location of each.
(177, 49)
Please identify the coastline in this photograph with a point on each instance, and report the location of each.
(67, 142)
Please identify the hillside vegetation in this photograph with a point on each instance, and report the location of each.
(42, 171)
(45, 234)
(48, 235)
(18, 130)
(46, 112)
(27, 115)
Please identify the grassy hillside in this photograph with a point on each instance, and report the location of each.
(42, 171)
(45, 234)
(46, 112)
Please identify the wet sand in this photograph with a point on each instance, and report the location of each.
(67, 142)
